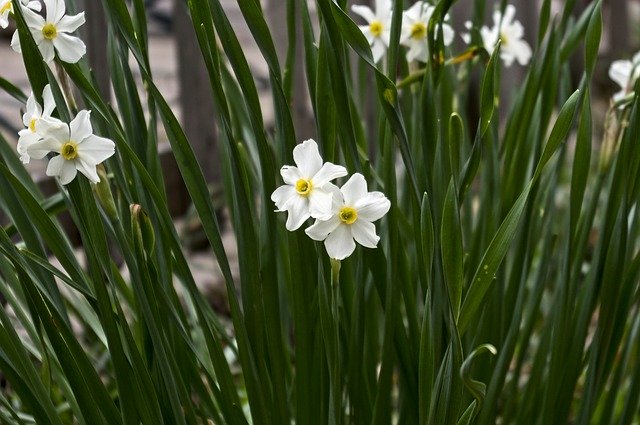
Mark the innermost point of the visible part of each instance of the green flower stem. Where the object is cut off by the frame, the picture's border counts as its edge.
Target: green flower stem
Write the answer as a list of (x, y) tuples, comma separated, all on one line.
[(335, 372)]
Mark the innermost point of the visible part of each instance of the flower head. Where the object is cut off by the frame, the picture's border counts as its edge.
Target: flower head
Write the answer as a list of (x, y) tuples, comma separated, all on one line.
[(30, 119), (303, 195), (354, 210), (6, 7), (52, 32), (378, 28), (509, 32), (625, 73), (415, 22), (78, 148)]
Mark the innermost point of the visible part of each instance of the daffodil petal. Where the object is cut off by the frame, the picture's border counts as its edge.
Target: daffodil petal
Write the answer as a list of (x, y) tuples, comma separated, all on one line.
[(48, 101), (340, 243), (282, 195), (354, 189), (42, 148), (27, 138), (34, 5), (54, 168), (52, 128), (80, 126), (15, 42), (68, 172), (322, 228), (290, 174), (33, 109), (364, 11), (34, 21), (364, 232), (373, 206), (378, 50), (307, 158), (55, 10), (320, 204), (448, 34), (47, 50), (327, 173), (70, 23), (298, 212), (522, 52), (96, 149), (88, 169), (620, 72), (70, 49)]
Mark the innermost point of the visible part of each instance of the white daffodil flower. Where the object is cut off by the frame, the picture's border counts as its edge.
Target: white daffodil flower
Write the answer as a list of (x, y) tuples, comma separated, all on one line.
[(510, 33), (78, 148), (52, 33), (625, 73), (378, 28), (303, 195), (6, 7), (353, 213), (30, 119), (415, 22)]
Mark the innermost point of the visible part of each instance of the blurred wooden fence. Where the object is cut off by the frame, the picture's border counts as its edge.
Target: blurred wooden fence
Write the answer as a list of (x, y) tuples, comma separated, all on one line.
[(198, 113)]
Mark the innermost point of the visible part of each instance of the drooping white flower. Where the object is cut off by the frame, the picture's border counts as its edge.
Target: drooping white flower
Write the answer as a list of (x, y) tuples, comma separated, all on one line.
[(52, 33), (625, 73), (510, 33), (303, 195), (353, 213), (30, 119), (415, 22), (6, 7), (378, 28), (78, 148)]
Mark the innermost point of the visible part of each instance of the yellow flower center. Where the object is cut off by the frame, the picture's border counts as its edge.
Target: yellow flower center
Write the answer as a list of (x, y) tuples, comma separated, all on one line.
[(304, 187), (504, 39), (49, 31), (69, 150), (32, 125), (418, 31), (6, 7), (376, 28), (348, 215)]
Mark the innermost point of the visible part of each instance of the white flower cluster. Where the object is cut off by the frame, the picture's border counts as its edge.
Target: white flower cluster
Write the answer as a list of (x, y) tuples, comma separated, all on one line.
[(415, 21), (510, 33), (343, 215), (51, 32), (625, 73), (77, 147)]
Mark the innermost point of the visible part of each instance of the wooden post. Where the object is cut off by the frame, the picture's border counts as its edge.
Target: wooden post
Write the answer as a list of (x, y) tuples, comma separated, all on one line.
[(95, 36), (303, 119), (198, 116), (618, 27)]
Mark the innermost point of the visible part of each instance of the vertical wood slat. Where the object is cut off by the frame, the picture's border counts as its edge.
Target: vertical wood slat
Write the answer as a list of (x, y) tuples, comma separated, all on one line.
[(196, 101), (95, 36)]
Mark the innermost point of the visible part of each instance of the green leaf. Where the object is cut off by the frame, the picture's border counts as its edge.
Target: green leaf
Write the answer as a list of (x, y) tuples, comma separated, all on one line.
[(452, 250)]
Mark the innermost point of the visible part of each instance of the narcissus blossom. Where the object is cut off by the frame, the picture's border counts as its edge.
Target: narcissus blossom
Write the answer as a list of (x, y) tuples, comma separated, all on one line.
[(378, 28), (78, 148), (510, 33), (30, 119), (52, 33), (625, 73), (415, 21), (354, 210), (6, 7), (303, 195)]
